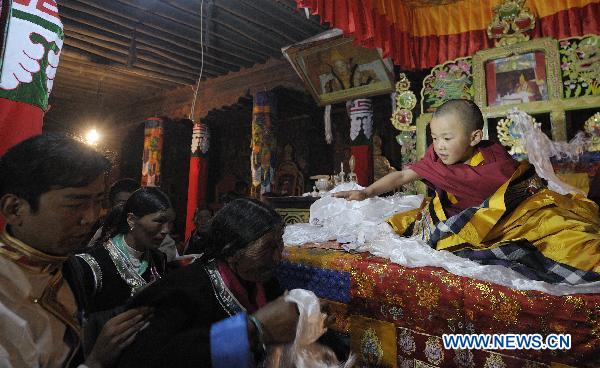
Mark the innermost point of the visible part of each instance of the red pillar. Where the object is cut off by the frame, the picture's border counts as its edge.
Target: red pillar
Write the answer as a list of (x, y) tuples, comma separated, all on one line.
[(197, 183), (363, 156)]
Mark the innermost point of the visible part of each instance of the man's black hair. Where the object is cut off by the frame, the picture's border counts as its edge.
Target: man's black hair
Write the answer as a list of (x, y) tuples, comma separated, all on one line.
[(126, 185), (467, 111), (46, 162)]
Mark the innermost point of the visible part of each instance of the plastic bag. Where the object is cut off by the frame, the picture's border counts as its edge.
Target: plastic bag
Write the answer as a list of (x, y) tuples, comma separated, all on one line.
[(305, 352)]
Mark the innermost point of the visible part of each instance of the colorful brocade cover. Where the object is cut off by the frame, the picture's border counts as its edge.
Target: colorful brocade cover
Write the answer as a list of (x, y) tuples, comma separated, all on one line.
[(262, 162), (395, 316), (153, 144), (32, 39)]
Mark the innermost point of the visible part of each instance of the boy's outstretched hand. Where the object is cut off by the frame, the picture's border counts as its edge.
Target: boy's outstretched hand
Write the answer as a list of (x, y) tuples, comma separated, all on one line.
[(352, 195)]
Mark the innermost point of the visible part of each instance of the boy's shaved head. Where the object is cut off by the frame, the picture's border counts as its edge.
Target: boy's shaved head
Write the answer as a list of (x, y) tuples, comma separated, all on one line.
[(467, 112)]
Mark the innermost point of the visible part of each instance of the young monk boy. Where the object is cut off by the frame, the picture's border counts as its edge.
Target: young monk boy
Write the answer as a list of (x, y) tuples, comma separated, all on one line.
[(486, 200)]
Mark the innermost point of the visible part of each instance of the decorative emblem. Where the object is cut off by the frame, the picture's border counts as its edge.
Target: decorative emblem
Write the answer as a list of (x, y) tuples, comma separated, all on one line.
[(510, 23), (509, 137), (428, 295), (371, 350), (406, 342), (405, 363), (451, 80), (464, 359), (32, 48), (396, 313), (531, 364), (405, 101), (494, 361), (361, 116), (294, 215), (592, 127), (580, 66), (434, 350), (195, 137), (204, 139)]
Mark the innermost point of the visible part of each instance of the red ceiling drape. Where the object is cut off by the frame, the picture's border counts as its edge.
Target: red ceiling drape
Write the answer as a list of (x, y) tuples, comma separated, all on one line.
[(423, 36)]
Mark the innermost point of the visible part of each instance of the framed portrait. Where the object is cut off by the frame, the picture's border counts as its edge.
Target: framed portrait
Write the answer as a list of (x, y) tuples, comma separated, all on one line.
[(335, 70), (523, 73), (516, 79)]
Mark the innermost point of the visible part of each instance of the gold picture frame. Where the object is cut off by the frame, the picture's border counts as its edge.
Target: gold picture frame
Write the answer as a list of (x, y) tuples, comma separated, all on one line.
[(526, 73), (335, 70)]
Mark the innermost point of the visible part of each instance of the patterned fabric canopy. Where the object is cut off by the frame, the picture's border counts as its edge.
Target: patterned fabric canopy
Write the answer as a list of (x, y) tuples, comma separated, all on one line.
[(419, 34)]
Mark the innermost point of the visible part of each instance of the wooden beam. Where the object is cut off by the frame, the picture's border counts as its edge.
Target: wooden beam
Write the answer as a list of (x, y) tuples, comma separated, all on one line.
[(81, 67), (99, 84), (260, 20), (169, 64), (120, 56), (259, 38), (70, 52), (72, 27), (92, 97), (150, 27), (155, 39)]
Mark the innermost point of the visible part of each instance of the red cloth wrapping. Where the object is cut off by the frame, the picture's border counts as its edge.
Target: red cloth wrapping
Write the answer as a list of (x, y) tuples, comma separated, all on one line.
[(18, 121), (471, 185), (364, 164), (192, 198)]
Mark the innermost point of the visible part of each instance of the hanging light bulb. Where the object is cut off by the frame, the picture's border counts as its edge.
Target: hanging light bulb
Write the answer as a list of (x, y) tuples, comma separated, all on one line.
[(92, 137)]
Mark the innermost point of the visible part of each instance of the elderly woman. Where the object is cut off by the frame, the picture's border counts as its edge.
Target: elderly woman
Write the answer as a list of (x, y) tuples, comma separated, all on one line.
[(234, 276), (126, 256)]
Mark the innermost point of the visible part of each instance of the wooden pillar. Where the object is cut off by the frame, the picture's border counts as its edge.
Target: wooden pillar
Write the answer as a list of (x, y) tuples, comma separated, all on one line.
[(262, 162), (153, 144)]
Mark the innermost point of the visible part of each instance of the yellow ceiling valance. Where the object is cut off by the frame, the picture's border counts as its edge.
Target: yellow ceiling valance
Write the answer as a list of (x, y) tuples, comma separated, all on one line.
[(459, 16)]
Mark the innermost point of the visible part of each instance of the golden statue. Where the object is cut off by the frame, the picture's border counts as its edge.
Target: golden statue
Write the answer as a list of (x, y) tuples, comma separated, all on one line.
[(381, 165)]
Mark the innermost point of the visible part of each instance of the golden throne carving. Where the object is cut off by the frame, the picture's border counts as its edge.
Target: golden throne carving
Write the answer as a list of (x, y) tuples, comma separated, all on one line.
[(289, 181)]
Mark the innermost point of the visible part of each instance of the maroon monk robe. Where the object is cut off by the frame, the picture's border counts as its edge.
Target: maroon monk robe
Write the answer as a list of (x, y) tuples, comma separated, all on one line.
[(471, 185)]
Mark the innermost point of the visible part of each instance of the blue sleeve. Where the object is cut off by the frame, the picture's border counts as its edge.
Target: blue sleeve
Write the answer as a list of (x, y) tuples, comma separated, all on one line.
[(229, 346)]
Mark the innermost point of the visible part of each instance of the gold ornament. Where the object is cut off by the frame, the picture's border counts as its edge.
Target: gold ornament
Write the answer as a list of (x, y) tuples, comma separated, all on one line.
[(509, 138), (592, 127), (510, 22), (405, 101)]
